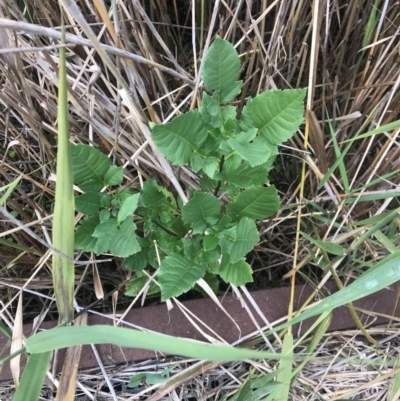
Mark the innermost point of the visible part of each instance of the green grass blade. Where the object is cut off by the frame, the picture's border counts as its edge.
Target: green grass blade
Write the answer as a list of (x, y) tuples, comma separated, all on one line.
[(285, 366), (9, 188), (376, 181), (382, 275), (395, 390), (33, 377), (12, 244), (388, 127), (5, 330), (330, 247), (372, 220), (256, 386), (339, 159), (386, 242), (63, 224), (373, 197), (62, 337), (322, 328), (387, 219), (342, 167), (371, 24)]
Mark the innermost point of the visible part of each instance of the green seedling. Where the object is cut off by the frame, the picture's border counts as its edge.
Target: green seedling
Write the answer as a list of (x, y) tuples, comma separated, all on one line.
[(212, 233)]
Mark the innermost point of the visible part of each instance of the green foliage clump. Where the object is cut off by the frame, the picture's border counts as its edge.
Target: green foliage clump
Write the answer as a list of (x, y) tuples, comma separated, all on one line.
[(207, 237)]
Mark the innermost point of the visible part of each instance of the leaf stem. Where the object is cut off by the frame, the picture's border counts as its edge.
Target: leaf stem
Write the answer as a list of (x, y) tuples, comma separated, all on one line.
[(11, 356), (159, 225), (221, 165)]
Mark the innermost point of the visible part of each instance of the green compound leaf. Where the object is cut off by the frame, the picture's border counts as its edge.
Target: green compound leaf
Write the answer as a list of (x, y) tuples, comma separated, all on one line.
[(210, 242), (114, 175), (210, 110), (229, 117), (232, 162), (178, 139), (212, 256), (89, 165), (277, 114), (211, 144), (191, 248), (136, 262), (246, 238), (246, 176), (238, 273), (152, 196), (246, 137), (199, 227), (129, 205), (94, 185), (124, 243), (196, 162), (239, 240), (255, 153), (84, 234), (104, 215), (140, 260), (227, 239), (221, 70), (210, 166), (213, 281), (91, 202), (105, 232), (256, 203), (200, 207), (135, 285), (122, 195), (178, 275)]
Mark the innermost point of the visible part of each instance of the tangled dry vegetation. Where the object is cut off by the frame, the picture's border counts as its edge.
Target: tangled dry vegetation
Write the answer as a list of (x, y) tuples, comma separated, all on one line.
[(346, 53)]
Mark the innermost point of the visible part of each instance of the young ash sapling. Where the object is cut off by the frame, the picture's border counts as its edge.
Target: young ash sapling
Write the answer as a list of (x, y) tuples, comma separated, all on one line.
[(211, 234)]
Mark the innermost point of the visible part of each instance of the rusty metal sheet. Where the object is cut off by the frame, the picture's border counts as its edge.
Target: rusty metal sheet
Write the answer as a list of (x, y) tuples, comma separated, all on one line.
[(272, 302)]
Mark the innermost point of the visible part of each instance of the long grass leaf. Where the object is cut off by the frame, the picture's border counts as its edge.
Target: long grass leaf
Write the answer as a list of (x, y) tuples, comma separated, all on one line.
[(339, 159), (386, 242), (322, 328), (384, 128), (387, 219), (371, 24), (9, 188), (342, 167), (376, 181), (285, 366), (62, 337), (33, 377), (380, 276), (374, 197), (395, 390), (63, 224)]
